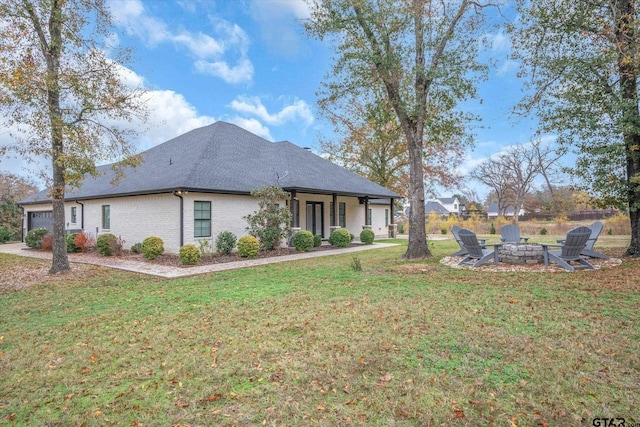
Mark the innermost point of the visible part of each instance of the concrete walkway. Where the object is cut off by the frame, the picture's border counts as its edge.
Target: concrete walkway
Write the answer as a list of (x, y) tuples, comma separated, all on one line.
[(169, 272)]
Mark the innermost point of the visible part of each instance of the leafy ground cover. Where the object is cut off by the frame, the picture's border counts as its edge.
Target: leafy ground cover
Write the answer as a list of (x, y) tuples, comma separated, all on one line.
[(314, 342)]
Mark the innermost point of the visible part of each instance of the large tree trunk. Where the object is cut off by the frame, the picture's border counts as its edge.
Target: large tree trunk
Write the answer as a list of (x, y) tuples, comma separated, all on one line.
[(626, 37), (417, 248), (60, 262)]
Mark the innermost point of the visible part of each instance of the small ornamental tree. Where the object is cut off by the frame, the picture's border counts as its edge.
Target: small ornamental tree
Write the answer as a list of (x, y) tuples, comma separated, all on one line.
[(270, 223)]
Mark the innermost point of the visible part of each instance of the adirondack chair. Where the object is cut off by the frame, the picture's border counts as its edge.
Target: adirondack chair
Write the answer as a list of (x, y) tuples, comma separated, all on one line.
[(462, 251), (596, 229), (511, 234), (570, 250), (475, 250)]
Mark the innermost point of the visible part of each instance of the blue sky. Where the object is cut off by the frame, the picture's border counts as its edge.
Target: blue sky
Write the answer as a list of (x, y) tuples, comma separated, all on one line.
[(249, 62)]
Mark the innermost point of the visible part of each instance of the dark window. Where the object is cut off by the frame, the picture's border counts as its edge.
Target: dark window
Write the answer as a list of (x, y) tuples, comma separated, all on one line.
[(369, 220), (342, 214), (202, 219), (106, 217), (73, 214)]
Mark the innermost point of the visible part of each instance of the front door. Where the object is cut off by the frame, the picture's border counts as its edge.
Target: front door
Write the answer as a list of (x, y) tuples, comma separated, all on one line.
[(315, 220)]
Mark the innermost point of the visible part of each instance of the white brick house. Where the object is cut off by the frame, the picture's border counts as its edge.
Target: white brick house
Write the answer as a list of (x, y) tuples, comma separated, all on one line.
[(197, 185)]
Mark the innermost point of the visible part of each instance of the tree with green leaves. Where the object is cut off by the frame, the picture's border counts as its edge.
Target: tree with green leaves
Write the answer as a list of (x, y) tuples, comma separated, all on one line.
[(12, 189), (421, 55), (582, 61), (271, 222), (64, 94)]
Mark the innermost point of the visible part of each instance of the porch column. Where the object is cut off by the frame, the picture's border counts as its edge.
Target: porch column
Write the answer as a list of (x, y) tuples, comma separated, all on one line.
[(367, 220), (392, 213), (292, 208), (335, 221)]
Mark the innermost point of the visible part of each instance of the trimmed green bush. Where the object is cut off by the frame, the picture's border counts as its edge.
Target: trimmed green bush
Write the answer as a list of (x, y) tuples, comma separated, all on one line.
[(33, 239), (443, 230), (492, 230), (152, 247), (226, 242), (340, 238), (5, 234), (137, 248), (107, 244), (543, 231), (71, 243), (248, 247), (366, 236), (317, 241), (303, 241), (189, 255)]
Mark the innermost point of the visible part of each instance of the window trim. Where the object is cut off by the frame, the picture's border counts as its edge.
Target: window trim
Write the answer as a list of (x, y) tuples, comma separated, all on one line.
[(199, 222), (106, 217)]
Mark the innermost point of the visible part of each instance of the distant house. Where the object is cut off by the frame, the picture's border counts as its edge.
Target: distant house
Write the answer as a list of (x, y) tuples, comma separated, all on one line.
[(494, 212), (451, 204), (437, 208), (197, 185)]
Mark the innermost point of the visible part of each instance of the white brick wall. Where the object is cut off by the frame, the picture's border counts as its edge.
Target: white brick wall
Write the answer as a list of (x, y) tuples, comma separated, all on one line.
[(135, 218)]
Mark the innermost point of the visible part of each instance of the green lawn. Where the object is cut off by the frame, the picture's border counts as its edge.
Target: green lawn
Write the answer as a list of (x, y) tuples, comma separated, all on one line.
[(315, 343)]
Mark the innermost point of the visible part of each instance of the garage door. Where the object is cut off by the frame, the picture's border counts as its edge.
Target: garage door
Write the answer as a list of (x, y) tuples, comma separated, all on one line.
[(42, 219)]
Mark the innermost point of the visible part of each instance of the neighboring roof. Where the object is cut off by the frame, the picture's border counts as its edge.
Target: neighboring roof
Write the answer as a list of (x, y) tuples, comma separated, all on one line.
[(447, 200), (224, 158), (493, 208), (435, 207)]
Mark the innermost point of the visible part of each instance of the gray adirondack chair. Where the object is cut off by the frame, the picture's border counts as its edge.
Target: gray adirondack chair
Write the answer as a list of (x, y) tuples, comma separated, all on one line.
[(511, 234), (570, 250), (462, 251), (596, 229), (477, 254)]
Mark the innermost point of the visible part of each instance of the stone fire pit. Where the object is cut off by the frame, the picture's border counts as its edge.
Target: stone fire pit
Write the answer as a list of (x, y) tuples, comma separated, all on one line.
[(521, 253)]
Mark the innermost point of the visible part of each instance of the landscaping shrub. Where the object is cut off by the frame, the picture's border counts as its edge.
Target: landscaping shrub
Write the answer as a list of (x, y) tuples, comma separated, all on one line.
[(317, 241), (108, 244), (226, 242), (206, 248), (367, 236), (543, 231), (303, 241), (33, 239), (137, 248), (189, 255), (71, 243), (340, 238), (443, 230), (46, 244), (5, 234), (248, 247), (492, 230), (152, 247), (83, 242)]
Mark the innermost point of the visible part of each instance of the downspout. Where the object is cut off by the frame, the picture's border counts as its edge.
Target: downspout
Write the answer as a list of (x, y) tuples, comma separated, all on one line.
[(22, 224), (81, 214), (178, 193)]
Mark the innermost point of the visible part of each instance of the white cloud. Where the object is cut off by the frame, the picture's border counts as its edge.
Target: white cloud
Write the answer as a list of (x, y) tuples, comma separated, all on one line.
[(298, 110), (500, 42), (253, 126), (279, 23), (209, 51)]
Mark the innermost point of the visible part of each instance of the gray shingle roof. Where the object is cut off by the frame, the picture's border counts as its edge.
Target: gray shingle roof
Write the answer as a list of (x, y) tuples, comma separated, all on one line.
[(224, 158), (435, 207)]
